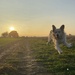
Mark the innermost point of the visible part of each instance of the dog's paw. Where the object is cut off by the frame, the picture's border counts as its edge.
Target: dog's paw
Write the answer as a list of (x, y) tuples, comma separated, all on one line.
[(60, 52), (69, 45)]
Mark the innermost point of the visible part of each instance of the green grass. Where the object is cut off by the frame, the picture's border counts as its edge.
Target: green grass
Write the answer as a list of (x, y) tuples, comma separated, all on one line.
[(51, 61), (5, 41), (46, 56), (7, 62)]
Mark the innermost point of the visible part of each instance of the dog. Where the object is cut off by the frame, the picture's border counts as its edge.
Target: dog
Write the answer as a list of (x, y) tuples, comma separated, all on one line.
[(58, 36)]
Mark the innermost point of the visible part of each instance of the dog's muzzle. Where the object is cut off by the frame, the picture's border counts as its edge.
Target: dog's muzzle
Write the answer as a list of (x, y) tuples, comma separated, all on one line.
[(58, 36)]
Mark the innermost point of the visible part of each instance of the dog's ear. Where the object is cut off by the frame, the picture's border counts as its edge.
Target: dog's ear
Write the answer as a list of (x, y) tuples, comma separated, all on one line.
[(62, 27), (54, 28)]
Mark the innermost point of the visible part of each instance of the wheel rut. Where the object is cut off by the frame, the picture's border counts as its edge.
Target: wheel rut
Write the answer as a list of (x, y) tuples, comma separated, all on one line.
[(20, 56)]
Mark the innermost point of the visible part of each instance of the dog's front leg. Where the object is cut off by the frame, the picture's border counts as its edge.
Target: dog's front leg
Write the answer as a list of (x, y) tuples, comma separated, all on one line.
[(67, 44), (57, 47)]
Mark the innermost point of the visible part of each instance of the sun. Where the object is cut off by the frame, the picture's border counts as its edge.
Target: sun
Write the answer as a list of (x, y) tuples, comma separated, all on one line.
[(12, 28)]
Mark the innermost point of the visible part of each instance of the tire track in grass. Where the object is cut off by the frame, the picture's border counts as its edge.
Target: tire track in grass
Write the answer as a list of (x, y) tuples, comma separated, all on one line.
[(8, 51), (20, 56), (32, 68), (5, 67)]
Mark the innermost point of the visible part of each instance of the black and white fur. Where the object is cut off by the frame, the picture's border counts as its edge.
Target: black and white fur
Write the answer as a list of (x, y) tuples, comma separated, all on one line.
[(58, 36)]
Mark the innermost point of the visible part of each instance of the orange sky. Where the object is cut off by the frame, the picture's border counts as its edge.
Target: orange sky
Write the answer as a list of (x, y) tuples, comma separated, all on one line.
[(36, 17)]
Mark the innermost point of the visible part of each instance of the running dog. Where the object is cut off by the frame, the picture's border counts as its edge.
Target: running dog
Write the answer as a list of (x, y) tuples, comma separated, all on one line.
[(58, 36)]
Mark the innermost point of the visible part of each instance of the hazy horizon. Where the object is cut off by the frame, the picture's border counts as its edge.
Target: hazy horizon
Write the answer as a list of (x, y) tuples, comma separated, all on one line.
[(36, 17)]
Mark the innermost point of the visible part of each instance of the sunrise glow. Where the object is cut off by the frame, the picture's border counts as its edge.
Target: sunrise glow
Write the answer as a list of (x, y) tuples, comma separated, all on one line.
[(12, 28), (36, 17)]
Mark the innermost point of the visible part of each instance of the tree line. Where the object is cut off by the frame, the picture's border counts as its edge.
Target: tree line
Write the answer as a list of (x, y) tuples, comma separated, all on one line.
[(11, 34)]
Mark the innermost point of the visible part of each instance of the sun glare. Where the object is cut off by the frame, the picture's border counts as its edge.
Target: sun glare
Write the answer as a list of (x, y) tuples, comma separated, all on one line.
[(12, 28)]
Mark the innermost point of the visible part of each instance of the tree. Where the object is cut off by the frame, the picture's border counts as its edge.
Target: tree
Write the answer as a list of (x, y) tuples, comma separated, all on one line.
[(13, 34), (5, 34)]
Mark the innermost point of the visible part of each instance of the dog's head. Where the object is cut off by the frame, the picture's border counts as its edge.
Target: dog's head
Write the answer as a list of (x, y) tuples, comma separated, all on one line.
[(58, 33)]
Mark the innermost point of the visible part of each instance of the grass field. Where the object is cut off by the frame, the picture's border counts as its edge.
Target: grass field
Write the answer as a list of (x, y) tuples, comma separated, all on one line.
[(31, 56)]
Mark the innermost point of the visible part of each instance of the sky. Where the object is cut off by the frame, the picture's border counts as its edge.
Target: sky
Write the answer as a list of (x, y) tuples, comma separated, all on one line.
[(36, 17)]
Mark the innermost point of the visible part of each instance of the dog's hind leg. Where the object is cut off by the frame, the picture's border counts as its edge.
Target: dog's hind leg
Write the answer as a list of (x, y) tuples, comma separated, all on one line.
[(49, 39)]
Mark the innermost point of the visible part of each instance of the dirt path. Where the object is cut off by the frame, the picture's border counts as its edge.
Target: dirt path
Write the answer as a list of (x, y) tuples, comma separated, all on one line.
[(7, 51), (32, 68), (21, 57)]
